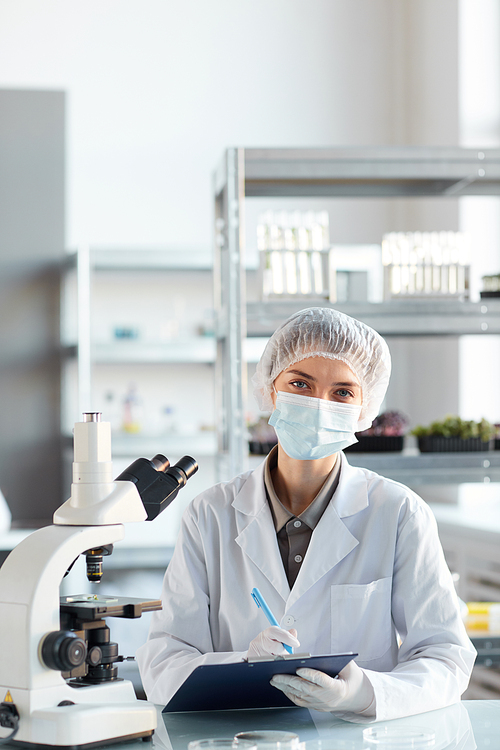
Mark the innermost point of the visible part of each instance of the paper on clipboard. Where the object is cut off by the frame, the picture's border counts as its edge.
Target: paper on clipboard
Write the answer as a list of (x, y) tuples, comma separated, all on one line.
[(218, 687)]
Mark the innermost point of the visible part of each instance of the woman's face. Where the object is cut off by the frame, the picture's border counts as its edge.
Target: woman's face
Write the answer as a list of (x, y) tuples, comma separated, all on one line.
[(318, 377)]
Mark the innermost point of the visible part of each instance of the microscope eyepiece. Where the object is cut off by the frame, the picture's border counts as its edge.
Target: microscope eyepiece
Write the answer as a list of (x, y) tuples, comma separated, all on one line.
[(157, 482), (92, 416), (160, 462), (187, 465), (182, 471)]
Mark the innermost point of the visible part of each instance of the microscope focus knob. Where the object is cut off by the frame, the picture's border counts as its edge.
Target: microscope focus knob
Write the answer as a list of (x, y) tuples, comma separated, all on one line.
[(63, 650)]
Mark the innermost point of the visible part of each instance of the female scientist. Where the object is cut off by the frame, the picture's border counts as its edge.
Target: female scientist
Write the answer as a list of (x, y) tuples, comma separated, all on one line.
[(346, 559)]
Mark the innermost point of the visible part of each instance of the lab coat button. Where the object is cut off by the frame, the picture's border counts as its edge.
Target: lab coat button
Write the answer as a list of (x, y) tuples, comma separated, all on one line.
[(297, 524), (288, 621), (298, 558)]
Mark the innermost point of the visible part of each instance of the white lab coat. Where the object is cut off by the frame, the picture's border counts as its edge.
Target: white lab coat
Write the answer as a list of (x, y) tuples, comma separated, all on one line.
[(374, 570)]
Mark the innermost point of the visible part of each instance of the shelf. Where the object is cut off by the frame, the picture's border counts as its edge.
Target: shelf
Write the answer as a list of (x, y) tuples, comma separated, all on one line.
[(135, 259), (367, 172), (191, 350), (425, 468), (432, 468), (202, 351), (394, 318)]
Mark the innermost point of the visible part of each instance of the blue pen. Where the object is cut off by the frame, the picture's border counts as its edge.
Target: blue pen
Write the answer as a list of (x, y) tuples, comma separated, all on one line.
[(260, 602)]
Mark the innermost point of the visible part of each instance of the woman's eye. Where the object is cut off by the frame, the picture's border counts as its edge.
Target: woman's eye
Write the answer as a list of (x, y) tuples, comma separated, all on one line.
[(343, 393), (299, 384)]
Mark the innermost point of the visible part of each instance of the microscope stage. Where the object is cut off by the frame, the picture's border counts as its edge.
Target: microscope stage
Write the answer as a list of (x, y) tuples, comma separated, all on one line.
[(95, 607)]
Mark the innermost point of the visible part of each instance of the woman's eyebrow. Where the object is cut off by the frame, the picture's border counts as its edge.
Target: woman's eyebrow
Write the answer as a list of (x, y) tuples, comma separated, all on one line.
[(349, 383), (302, 374)]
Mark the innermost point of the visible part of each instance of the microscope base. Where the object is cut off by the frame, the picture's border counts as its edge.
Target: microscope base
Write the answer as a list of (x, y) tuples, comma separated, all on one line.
[(89, 746), (96, 715)]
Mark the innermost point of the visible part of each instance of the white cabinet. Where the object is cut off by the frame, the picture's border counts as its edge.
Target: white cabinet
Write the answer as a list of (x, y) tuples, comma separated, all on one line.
[(470, 535)]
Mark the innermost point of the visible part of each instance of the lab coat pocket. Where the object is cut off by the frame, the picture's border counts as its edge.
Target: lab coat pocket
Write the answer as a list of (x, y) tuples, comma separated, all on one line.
[(361, 618)]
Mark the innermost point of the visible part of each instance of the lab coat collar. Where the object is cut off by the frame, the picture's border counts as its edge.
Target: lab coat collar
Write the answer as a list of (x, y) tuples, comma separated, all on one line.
[(252, 495), (352, 491), (256, 533)]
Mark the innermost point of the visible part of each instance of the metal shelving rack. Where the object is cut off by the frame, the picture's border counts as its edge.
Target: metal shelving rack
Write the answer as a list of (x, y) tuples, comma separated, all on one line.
[(378, 172)]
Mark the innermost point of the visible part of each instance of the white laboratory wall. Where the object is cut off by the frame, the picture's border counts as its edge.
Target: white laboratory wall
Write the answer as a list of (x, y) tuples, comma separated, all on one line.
[(479, 81), (479, 109), (157, 90)]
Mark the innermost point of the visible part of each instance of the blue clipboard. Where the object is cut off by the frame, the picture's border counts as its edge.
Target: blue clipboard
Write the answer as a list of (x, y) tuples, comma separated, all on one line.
[(218, 687)]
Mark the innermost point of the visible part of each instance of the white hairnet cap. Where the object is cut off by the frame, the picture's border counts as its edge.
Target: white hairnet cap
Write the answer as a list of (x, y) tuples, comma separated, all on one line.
[(324, 332)]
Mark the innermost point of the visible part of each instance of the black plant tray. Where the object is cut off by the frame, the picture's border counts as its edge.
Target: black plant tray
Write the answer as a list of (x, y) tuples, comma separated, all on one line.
[(377, 444), (438, 444)]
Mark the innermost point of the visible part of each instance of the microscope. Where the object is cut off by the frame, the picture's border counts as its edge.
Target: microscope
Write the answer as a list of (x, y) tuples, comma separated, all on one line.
[(59, 683)]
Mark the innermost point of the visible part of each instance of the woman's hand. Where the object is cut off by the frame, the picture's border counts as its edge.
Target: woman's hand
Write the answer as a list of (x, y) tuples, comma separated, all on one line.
[(309, 688), (270, 642)]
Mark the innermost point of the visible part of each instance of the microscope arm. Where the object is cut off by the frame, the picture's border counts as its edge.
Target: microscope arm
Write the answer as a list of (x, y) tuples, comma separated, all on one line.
[(29, 597)]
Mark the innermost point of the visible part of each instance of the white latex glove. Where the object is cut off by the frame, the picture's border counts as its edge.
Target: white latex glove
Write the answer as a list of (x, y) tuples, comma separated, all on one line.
[(270, 642), (309, 688)]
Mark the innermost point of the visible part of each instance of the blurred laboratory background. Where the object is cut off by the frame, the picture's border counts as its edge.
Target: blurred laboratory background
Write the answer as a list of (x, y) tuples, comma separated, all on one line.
[(177, 178)]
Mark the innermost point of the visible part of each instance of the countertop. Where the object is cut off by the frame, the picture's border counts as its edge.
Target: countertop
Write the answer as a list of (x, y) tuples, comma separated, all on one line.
[(475, 514), (466, 725)]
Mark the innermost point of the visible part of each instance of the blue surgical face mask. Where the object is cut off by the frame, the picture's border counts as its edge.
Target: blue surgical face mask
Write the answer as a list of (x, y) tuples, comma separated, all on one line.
[(310, 428)]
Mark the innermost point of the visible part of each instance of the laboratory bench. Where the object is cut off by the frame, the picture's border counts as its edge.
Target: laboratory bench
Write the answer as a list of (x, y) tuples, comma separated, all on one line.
[(470, 532), (467, 725)]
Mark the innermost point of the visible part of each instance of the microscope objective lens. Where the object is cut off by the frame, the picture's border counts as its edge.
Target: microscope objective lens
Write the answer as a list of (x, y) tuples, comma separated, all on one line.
[(94, 569)]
